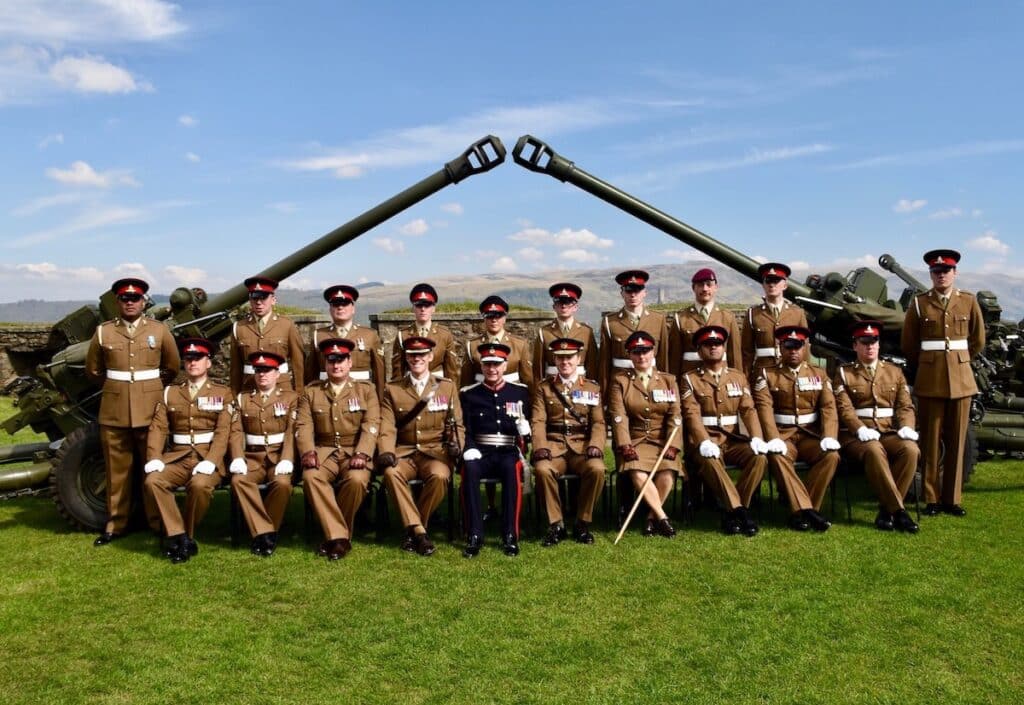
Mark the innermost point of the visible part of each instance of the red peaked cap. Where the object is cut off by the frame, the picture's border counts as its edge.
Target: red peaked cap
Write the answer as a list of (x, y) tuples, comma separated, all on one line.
[(866, 329), (197, 346), (494, 306), (415, 345), (633, 278), (941, 259), (264, 284), (565, 346), (336, 346), (493, 352), (710, 334), (129, 285), (565, 290), (262, 358), (341, 291), (423, 293), (774, 269), (640, 341), (788, 336)]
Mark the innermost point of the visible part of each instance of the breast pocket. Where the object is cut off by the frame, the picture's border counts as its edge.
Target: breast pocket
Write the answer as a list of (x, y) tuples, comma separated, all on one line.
[(960, 326), (932, 327)]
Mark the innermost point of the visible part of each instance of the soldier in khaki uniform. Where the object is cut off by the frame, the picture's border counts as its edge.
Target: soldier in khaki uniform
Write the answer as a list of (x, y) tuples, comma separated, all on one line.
[(265, 330), (716, 398), (133, 356), (263, 447), (186, 446), (759, 347), (877, 418), (643, 407), (367, 356), (565, 297), (798, 414), (421, 433), (494, 310), (683, 354), (943, 331), (337, 429), (446, 360), (617, 327), (568, 436)]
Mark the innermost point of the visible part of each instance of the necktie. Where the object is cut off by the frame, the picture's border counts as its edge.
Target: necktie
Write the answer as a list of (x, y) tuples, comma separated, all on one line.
[(705, 314), (717, 376), (261, 325), (566, 329), (192, 391), (645, 379), (423, 332), (130, 329), (776, 310), (264, 396), (944, 300)]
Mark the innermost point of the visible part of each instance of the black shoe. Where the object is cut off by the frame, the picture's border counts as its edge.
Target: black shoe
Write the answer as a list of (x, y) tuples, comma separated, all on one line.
[(731, 523), (649, 528), (884, 521), (338, 549), (932, 509), (817, 521), (954, 510), (270, 543), (324, 548), (105, 538), (191, 546), (262, 545), (556, 533), (490, 514), (423, 545), (748, 527), (172, 545), (473, 546), (798, 522), (409, 542), (664, 528), (581, 533), (511, 545), (904, 523)]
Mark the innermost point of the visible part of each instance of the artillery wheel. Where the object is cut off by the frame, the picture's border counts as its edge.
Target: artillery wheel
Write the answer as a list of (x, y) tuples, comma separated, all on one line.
[(79, 479)]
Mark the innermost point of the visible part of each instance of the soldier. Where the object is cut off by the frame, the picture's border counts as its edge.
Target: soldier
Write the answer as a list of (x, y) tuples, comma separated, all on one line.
[(494, 310), (644, 408), (337, 431), (943, 331), (568, 436), (565, 298), (195, 416), (265, 330), (716, 398), (368, 355), (682, 352), (497, 418), (631, 318), (421, 437), (877, 417), (798, 414), (263, 447), (446, 361), (130, 355), (759, 325)]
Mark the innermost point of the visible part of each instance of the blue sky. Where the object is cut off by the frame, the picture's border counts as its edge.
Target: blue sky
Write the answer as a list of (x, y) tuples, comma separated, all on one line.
[(197, 143)]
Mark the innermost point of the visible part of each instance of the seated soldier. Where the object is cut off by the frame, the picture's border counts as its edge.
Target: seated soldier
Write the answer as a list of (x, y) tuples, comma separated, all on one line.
[(568, 436), (715, 399), (263, 447), (877, 417), (797, 410), (196, 417)]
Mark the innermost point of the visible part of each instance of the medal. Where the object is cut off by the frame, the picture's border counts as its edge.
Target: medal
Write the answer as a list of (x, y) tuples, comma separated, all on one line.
[(151, 341), (353, 404)]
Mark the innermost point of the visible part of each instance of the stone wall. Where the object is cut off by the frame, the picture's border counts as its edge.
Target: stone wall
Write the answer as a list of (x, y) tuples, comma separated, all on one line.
[(22, 337)]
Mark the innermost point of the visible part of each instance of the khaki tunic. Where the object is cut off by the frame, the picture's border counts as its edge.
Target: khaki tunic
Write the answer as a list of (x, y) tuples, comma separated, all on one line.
[(644, 419), (944, 374), (758, 333), (682, 353), (615, 329), (544, 360), (280, 336), (446, 357), (367, 357), (519, 360)]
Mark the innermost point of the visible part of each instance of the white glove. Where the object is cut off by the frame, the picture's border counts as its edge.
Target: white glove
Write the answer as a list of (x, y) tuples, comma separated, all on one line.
[(865, 434), (523, 426), (907, 434), (204, 467), (828, 443), (238, 467), (776, 445), (758, 446), (471, 454), (284, 467), (710, 449), (155, 465)]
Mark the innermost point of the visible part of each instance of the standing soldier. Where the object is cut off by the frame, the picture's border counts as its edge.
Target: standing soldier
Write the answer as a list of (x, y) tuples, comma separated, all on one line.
[(943, 331), (565, 299), (568, 436), (195, 416), (265, 330), (420, 438), (798, 414), (367, 355), (716, 398), (263, 448), (130, 355), (682, 350), (759, 325), (494, 310), (877, 417), (337, 430), (496, 414), (446, 361), (633, 317)]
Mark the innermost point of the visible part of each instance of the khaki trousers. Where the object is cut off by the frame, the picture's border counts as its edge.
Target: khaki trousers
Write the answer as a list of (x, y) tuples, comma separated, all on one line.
[(805, 448), (889, 464), (712, 470), (262, 514), (591, 472), (336, 492), (943, 421), (123, 450), (159, 496), (435, 476)]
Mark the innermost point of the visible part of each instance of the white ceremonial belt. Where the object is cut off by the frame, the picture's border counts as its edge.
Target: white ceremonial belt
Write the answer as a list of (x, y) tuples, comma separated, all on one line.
[(719, 420), (132, 375), (248, 369), (944, 344), (438, 373), (765, 352), (622, 362), (510, 377), (691, 356), (875, 412), (494, 439), (580, 369), (269, 439), (191, 439), (796, 420), (360, 374)]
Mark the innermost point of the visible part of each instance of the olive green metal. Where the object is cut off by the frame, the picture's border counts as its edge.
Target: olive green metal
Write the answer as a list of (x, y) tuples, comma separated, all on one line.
[(889, 263), (20, 478)]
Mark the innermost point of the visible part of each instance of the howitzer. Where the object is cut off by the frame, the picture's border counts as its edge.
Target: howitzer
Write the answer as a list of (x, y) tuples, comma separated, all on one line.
[(831, 301), (55, 397)]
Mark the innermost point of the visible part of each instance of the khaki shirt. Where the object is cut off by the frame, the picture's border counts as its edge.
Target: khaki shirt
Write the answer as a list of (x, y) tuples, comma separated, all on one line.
[(544, 360), (944, 374), (728, 397), (684, 323), (367, 357), (548, 408), (345, 424), (615, 329), (640, 417), (519, 360), (446, 357), (759, 333), (777, 390), (177, 414), (425, 433), (280, 336), (256, 416), (126, 404), (855, 388)]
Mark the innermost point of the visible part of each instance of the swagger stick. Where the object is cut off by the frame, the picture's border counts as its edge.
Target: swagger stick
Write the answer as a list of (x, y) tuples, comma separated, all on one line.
[(650, 476)]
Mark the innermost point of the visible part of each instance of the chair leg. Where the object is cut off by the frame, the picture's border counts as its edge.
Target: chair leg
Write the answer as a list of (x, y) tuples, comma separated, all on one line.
[(381, 519)]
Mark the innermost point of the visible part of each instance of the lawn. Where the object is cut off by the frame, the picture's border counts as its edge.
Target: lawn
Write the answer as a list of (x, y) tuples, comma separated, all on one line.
[(851, 616)]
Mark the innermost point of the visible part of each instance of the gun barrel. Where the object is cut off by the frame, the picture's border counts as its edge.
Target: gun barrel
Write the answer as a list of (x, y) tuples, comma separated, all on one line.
[(889, 264)]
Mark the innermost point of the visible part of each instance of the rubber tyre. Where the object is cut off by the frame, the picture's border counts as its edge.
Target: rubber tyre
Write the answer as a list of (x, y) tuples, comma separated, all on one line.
[(79, 479)]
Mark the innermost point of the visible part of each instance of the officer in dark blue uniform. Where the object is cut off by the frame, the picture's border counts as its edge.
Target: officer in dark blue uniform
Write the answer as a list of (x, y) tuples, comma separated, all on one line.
[(496, 415)]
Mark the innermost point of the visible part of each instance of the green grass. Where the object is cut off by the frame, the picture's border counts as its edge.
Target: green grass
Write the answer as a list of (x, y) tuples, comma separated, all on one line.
[(851, 616)]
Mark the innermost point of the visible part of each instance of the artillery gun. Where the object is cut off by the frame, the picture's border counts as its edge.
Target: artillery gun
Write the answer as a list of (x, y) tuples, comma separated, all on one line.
[(55, 397), (833, 301)]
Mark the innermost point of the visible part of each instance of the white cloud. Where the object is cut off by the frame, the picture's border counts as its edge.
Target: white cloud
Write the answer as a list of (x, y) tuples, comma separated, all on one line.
[(134, 269), (82, 174), (45, 202), (453, 208), (845, 264), (192, 157), (566, 238), (414, 228), (937, 154), (91, 220), (56, 138), (93, 74), (754, 157), (531, 254), (579, 255), (906, 205), (504, 264), (390, 245), (91, 21), (946, 214), (988, 242), (800, 265), (47, 271), (188, 121), (186, 276), (685, 255)]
